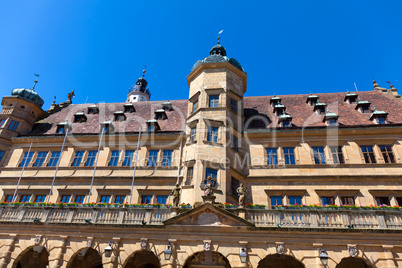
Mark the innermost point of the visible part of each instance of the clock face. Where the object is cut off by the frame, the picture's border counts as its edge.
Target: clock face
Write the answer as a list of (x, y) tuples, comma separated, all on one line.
[(207, 246)]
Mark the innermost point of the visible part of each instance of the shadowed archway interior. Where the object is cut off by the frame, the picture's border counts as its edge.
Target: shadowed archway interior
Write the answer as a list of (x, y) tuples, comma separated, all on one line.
[(280, 261), (86, 258), (143, 259), (352, 263), (35, 257), (207, 258)]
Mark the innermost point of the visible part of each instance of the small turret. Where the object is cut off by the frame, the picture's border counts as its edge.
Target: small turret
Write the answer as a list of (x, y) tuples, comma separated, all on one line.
[(139, 91)]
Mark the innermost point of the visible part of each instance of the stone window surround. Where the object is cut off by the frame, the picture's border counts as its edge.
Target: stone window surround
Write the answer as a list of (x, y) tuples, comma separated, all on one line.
[(392, 195), (193, 99), (73, 193), (213, 165), (338, 194), (280, 153), (285, 193), (214, 91), (154, 193), (213, 123), (33, 193), (327, 151), (112, 193), (191, 125)]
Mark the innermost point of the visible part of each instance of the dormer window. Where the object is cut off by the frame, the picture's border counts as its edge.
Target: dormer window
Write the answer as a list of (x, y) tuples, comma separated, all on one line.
[(379, 117), (160, 114), (285, 120), (312, 100), (275, 101), (363, 106), (167, 106), (80, 117), (279, 109), (319, 108), (93, 109), (330, 119), (351, 98), (62, 128), (106, 127), (152, 125), (119, 116), (129, 108)]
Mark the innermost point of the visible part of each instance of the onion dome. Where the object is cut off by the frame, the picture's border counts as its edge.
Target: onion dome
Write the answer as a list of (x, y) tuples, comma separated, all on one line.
[(218, 54), (29, 95)]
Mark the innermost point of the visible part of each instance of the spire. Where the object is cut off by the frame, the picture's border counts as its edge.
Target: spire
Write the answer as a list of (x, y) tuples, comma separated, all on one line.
[(35, 82)]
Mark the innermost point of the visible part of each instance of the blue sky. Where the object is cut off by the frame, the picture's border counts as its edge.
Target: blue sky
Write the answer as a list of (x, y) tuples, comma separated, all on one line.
[(98, 48)]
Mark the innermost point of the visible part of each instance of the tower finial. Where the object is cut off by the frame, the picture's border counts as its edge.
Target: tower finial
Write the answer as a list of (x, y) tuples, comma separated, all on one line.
[(144, 71), (35, 82), (219, 38)]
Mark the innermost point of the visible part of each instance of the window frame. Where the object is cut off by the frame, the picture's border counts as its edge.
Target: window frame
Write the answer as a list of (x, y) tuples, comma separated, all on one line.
[(128, 158), (213, 100), (167, 158), (319, 155), (387, 155), (368, 154), (114, 159), (288, 157), (213, 134), (40, 159), (52, 162), (13, 125), (337, 154), (193, 134), (77, 158), (90, 159), (152, 159), (26, 159), (272, 157)]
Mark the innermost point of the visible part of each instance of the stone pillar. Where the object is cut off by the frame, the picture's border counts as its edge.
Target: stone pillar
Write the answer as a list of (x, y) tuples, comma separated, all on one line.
[(116, 253), (388, 257), (58, 261), (6, 252), (173, 260)]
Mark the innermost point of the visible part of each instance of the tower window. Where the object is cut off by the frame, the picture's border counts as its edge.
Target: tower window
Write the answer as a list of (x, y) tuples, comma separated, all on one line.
[(1, 155), (233, 105), (193, 135), (213, 134), (2, 121), (213, 173), (13, 125), (213, 101), (190, 174)]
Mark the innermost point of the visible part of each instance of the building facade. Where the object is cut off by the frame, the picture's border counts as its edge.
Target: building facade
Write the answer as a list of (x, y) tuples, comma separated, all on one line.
[(310, 180)]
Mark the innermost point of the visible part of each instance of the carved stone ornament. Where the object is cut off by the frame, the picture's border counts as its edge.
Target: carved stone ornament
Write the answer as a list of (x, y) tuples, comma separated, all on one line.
[(143, 244), (89, 242), (207, 246), (280, 249), (352, 251), (38, 239)]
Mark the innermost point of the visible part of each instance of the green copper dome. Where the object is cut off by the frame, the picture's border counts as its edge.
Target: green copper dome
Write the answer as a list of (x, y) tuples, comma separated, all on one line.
[(29, 95)]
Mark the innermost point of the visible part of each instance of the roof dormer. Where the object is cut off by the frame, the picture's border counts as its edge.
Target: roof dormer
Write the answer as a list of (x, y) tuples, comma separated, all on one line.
[(107, 127), (93, 109), (351, 98), (128, 108), (63, 128), (279, 109), (330, 119), (379, 117), (320, 108), (80, 117), (285, 120), (167, 105), (275, 101), (119, 116), (312, 100), (363, 106), (160, 114), (152, 125)]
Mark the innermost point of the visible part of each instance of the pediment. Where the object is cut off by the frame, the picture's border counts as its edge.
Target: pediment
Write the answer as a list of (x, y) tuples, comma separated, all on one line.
[(208, 215)]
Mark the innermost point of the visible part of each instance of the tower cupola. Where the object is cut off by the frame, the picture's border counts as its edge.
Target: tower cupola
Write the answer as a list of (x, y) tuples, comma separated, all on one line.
[(139, 91)]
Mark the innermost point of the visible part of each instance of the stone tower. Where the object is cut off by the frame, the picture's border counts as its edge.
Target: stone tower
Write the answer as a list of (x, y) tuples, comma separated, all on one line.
[(214, 126), (139, 91)]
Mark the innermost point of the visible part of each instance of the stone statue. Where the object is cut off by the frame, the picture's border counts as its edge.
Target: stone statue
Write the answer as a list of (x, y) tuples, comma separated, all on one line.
[(208, 191), (242, 195), (70, 96), (176, 195)]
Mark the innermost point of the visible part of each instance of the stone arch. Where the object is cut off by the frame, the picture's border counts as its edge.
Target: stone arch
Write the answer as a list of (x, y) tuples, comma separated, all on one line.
[(353, 262), (142, 259), (280, 261), (32, 257), (207, 258), (85, 258)]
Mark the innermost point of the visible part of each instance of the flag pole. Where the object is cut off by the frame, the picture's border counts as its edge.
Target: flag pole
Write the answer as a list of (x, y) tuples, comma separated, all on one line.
[(22, 171), (135, 164), (57, 166), (96, 163)]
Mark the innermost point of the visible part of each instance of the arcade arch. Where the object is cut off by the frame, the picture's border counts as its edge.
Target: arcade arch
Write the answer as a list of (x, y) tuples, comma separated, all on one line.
[(143, 259), (86, 258), (32, 257), (207, 258), (353, 262), (280, 261)]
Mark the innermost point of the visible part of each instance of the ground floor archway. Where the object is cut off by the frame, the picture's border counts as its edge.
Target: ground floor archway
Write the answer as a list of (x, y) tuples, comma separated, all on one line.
[(33, 257), (352, 262), (143, 259), (86, 258), (207, 258), (280, 261)]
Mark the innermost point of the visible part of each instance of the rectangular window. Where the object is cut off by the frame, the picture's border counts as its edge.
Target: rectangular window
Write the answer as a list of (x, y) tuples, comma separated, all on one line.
[(114, 158), (65, 198), (295, 200), (161, 199), (195, 106), (105, 199), (368, 154), (190, 172), (151, 127), (337, 155), (213, 173), (79, 199), (272, 156), (146, 199), (289, 154), (319, 156), (60, 130), (347, 200), (1, 155), (286, 123), (26, 159), (120, 199), (77, 158), (13, 125), (213, 101), (25, 198), (233, 105), (128, 158), (54, 159), (2, 121), (40, 158), (40, 198), (212, 134), (152, 158), (233, 187), (381, 121), (387, 153), (326, 200), (382, 200), (9, 198), (235, 143), (365, 109), (91, 158), (167, 158), (193, 135), (276, 201)]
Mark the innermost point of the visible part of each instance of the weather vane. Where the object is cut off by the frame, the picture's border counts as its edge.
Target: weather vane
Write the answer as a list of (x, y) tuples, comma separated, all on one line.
[(144, 71), (219, 36), (36, 81)]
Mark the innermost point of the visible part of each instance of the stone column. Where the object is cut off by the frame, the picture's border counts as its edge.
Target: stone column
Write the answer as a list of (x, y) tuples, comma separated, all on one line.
[(116, 253), (58, 261), (389, 261), (6, 252)]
